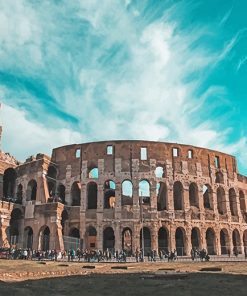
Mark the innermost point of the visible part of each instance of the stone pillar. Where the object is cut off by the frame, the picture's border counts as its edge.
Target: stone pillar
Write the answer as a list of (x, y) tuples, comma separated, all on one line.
[(172, 237), (67, 185), (100, 237), (154, 238), (217, 241), (188, 243), (118, 237)]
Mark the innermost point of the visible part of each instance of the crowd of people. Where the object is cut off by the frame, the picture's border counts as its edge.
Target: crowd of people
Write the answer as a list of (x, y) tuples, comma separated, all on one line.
[(88, 255)]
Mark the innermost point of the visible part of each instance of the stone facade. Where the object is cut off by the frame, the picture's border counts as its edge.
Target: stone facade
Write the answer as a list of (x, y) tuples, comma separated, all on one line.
[(123, 194)]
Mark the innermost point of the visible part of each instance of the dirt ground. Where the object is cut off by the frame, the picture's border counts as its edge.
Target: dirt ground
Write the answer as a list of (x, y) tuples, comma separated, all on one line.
[(63, 278)]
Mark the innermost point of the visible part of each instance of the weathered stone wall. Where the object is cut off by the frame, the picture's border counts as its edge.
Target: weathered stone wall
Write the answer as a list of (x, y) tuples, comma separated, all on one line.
[(74, 162)]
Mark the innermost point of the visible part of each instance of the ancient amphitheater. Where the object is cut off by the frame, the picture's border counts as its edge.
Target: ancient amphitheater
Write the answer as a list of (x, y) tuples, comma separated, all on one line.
[(100, 195)]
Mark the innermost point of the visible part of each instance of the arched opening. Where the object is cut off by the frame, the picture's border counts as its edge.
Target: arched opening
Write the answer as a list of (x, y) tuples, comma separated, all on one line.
[(14, 230), (31, 190), (108, 239), (195, 238), (74, 232), (219, 178), (210, 239), (221, 201), (127, 241), (91, 235), (93, 173), (207, 196), (127, 193), (245, 242), (51, 177), (92, 194), (193, 195), (180, 241), (144, 191), (178, 195), (146, 240), (76, 194), (28, 238), (159, 172), (161, 191), (109, 194), (61, 193), (19, 193), (163, 239), (45, 238), (236, 241), (64, 218), (224, 242), (9, 179), (242, 201), (233, 202)]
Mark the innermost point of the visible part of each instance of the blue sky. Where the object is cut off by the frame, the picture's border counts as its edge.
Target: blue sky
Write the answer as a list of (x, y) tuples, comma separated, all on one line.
[(75, 71)]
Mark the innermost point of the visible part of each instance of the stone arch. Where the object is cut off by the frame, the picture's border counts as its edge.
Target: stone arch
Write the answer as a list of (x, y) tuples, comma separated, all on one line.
[(76, 194), (210, 240), (161, 191), (91, 237), (64, 218), (233, 202), (236, 241), (127, 193), (224, 242), (109, 194), (193, 195), (92, 195), (195, 238), (15, 225), (180, 241), (9, 180), (221, 201), (159, 172), (178, 195), (31, 190), (44, 238), (207, 196), (28, 238), (242, 201), (108, 239), (144, 191), (245, 242), (219, 178), (51, 177), (145, 231), (74, 232), (61, 193), (163, 242), (93, 173), (19, 193), (127, 240)]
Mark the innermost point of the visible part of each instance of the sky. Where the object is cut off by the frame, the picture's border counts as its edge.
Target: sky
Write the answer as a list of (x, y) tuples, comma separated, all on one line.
[(86, 70)]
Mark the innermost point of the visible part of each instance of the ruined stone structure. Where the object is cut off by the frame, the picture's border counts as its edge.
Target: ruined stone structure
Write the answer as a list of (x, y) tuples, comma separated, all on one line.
[(123, 194)]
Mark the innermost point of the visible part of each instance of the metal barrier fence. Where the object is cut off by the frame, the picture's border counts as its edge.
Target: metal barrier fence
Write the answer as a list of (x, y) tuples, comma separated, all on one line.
[(72, 243)]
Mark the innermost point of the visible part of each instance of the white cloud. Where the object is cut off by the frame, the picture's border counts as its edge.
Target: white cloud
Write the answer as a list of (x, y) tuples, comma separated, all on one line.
[(23, 138), (126, 78)]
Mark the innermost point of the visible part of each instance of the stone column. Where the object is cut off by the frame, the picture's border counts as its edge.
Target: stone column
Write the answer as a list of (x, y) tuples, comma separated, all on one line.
[(154, 238), (67, 185)]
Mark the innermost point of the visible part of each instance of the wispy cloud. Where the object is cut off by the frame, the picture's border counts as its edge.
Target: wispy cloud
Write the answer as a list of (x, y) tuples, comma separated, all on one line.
[(126, 66), (241, 63)]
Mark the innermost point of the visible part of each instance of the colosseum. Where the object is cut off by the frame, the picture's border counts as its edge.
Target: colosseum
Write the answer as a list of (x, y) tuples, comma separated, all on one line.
[(124, 195)]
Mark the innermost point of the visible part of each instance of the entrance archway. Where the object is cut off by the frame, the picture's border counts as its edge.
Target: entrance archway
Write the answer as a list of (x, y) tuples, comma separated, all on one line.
[(163, 239), (127, 240), (91, 237), (45, 238), (210, 239), (236, 241), (224, 242), (108, 239), (28, 238), (147, 240), (180, 243), (195, 238)]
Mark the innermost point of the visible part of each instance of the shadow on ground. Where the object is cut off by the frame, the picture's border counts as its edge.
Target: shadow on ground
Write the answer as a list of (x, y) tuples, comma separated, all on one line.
[(198, 284)]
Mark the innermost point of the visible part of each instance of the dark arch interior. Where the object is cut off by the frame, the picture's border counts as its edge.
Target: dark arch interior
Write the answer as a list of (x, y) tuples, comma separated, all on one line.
[(92, 193), (163, 240), (210, 239), (9, 179), (179, 236), (178, 196), (76, 194), (61, 193), (195, 238), (108, 239)]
